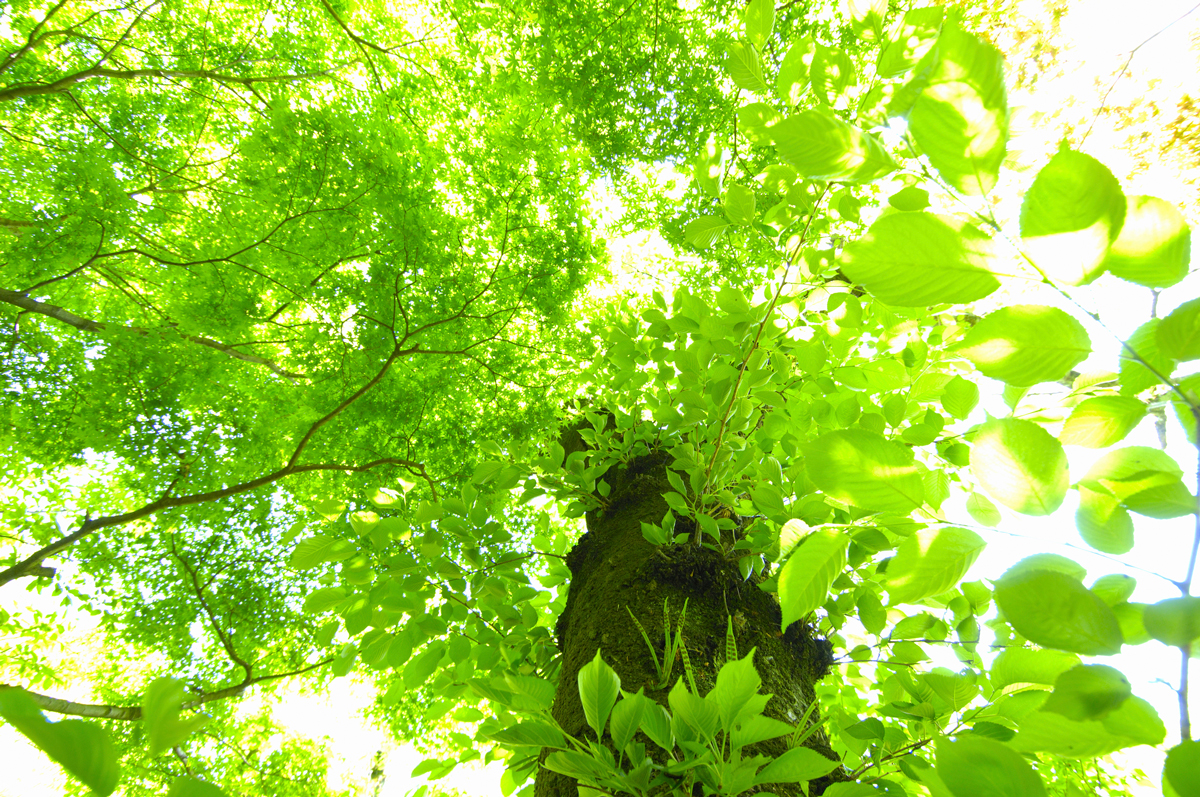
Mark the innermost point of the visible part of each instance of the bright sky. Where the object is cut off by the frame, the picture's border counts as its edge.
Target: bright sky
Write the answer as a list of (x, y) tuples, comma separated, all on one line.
[(1100, 34)]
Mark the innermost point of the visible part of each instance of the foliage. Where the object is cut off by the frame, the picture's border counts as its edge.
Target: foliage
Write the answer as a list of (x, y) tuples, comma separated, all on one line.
[(814, 415)]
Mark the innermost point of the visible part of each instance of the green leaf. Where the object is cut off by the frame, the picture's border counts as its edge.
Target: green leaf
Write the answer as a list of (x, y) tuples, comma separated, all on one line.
[(1020, 465), (798, 765), (1175, 621), (910, 199), (974, 766), (324, 599), (960, 120), (755, 122), (539, 690), (808, 573), (919, 259), (864, 469), (695, 712), (930, 562), (983, 511), (1071, 214), (319, 549), (1103, 523), (959, 397), (160, 713), (1026, 344), (1154, 247), (419, 670), (1114, 588), (82, 748), (1101, 422), (916, 35), (745, 67), (1028, 666), (1146, 480), (1088, 692), (1134, 722), (823, 147), (1182, 768), (1134, 375), (1056, 611), (627, 718), (758, 19), (1049, 561), (739, 204), (792, 80), (656, 724), (704, 231), (598, 690), (530, 733), (737, 683), (831, 73), (1179, 333), (193, 787), (709, 169)]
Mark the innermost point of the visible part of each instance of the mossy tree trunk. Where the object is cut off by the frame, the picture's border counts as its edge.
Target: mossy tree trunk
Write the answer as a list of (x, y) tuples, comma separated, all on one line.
[(615, 571)]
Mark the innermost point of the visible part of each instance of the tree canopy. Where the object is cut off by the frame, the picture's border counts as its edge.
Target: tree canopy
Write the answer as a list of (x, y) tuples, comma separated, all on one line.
[(306, 378)]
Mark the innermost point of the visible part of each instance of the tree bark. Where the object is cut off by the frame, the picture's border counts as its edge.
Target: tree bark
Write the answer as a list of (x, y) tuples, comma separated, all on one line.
[(615, 571)]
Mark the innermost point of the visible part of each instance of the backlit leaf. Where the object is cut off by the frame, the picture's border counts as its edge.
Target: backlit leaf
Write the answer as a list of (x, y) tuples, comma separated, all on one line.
[(1088, 692), (931, 561), (1071, 213), (974, 766), (1140, 351), (960, 119), (864, 469), (82, 748), (1154, 247), (1179, 333), (704, 231), (1175, 621), (1103, 523), (823, 147), (1100, 422), (1026, 344), (1056, 611), (1026, 665), (1182, 768), (918, 259), (810, 570), (1020, 465), (797, 765)]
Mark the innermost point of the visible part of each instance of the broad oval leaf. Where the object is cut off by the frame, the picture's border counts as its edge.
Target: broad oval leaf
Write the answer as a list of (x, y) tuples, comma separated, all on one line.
[(792, 80), (1103, 523), (418, 671), (822, 147), (1134, 722), (864, 469), (530, 733), (798, 765), (1179, 333), (1175, 621), (745, 67), (917, 34), (82, 748), (1140, 351), (1182, 768), (1029, 666), (319, 549), (918, 259), (1114, 588), (930, 562), (160, 714), (806, 576), (739, 204), (1020, 465), (1026, 344), (1088, 692), (193, 787), (704, 231), (1071, 214), (831, 73), (983, 511), (324, 599), (974, 766), (1056, 611), (599, 686), (960, 119), (758, 19), (1100, 422), (627, 718), (1154, 247)]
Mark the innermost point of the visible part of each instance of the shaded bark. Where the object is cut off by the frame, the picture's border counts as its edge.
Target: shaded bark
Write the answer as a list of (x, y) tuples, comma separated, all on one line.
[(615, 571)]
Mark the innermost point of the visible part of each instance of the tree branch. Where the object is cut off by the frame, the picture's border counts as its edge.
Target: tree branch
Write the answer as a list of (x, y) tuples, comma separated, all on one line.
[(70, 708), (87, 325)]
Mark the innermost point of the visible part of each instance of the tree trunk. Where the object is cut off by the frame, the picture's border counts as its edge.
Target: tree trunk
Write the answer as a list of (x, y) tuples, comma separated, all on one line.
[(615, 571)]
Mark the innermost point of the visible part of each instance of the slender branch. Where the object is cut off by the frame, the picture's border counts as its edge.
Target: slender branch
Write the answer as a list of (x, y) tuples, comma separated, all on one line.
[(90, 525), (87, 325), (66, 82), (57, 705)]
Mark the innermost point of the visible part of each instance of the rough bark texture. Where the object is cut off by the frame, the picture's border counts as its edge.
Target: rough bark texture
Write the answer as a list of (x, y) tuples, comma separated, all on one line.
[(613, 568)]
